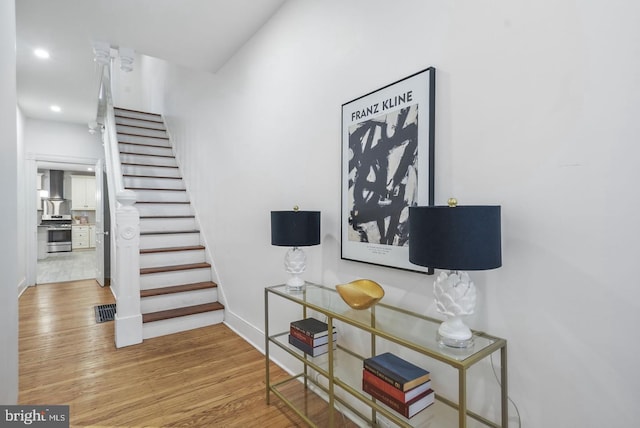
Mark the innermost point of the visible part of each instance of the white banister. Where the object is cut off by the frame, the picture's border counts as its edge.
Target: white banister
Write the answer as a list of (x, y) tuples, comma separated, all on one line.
[(125, 227)]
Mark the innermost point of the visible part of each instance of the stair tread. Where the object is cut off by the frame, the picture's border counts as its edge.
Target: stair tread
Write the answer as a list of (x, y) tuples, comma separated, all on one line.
[(180, 312), (138, 135), (168, 232), (173, 268), (137, 118), (146, 164), (171, 249), (140, 127), (148, 154), (177, 289), (167, 216), (161, 202), (136, 111), (150, 176), (145, 145), (155, 188)]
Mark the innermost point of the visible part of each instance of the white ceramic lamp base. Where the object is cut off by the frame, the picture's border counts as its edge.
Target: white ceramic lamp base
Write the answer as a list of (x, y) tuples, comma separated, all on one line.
[(455, 296), (295, 263)]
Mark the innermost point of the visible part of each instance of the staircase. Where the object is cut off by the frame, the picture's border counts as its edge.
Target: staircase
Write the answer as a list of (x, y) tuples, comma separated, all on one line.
[(177, 292)]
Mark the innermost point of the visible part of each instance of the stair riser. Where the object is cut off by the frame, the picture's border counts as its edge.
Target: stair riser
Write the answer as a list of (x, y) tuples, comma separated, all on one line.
[(169, 240), (138, 122), (168, 279), (176, 325), (157, 142), (137, 115), (148, 160), (150, 171), (161, 195), (140, 131), (171, 258), (153, 183), (162, 224), (145, 150), (177, 300), (164, 209)]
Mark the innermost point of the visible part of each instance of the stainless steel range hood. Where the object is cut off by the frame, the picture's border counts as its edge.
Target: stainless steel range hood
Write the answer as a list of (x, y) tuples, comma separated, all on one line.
[(56, 184), (56, 207)]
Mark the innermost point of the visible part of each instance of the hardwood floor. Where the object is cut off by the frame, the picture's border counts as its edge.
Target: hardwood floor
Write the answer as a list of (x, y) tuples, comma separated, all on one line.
[(208, 377)]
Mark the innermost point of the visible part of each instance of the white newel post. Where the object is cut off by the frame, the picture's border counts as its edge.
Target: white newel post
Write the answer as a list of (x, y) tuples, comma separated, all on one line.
[(128, 319)]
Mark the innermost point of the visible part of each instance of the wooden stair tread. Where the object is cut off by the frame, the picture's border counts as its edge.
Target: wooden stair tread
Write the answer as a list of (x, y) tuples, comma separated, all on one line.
[(154, 188), (151, 176), (148, 154), (145, 145), (167, 216), (140, 127), (168, 232), (161, 202), (174, 268), (181, 312), (177, 289), (137, 118), (146, 164), (136, 111), (171, 249), (138, 135)]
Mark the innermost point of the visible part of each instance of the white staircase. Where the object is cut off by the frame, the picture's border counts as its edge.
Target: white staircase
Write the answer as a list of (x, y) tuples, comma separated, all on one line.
[(177, 291)]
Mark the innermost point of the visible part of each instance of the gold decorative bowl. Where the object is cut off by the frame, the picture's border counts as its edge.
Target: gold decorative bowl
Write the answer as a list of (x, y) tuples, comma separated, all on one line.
[(361, 293)]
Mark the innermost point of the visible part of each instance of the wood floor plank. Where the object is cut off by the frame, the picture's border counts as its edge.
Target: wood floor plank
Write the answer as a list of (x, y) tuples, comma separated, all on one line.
[(208, 377)]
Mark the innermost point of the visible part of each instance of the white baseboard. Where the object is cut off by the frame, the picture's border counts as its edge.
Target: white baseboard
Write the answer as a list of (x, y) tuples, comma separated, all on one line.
[(22, 286)]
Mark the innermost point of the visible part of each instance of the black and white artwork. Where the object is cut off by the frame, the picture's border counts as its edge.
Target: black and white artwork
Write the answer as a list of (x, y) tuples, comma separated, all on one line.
[(387, 167)]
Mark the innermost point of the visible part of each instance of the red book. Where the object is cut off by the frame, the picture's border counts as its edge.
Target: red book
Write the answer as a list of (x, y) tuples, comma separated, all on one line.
[(408, 410), (389, 389), (310, 340)]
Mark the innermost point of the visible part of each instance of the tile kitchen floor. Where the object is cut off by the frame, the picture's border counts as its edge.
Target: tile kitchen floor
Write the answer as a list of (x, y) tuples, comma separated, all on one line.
[(67, 266)]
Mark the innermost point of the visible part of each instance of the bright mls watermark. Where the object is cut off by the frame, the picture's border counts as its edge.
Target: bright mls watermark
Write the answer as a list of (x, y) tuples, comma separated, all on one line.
[(34, 416)]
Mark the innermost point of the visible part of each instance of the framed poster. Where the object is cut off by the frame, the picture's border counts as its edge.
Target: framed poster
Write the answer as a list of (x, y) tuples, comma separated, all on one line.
[(387, 166)]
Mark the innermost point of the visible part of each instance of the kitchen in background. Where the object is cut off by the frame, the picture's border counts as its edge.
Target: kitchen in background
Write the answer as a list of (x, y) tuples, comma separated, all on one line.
[(66, 225)]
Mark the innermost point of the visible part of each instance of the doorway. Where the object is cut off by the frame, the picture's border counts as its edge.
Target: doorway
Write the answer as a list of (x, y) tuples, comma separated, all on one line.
[(79, 261)]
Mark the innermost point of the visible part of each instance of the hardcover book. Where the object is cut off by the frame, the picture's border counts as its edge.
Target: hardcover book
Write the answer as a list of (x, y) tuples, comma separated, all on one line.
[(311, 327), (408, 410), (309, 350), (396, 371), (309, 340), (392, 391)]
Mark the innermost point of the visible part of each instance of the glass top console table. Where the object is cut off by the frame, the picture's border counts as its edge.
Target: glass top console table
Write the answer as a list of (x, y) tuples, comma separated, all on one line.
[(381, 322)]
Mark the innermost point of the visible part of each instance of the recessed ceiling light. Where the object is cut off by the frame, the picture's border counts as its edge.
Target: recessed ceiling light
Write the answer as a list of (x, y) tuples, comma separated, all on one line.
[(89, 169), (55, 108), (41, 53)]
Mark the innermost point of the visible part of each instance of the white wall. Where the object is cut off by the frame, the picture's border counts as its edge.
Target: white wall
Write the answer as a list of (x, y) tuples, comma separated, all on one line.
[(23, 191), (536, 111), (8, 192), (49, 139)]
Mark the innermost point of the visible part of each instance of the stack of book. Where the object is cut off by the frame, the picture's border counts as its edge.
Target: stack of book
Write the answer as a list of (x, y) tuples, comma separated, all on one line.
[(311, 336), (397, 383)]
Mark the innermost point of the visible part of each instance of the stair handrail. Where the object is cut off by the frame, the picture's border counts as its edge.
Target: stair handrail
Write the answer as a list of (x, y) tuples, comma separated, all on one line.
[(125, 230)]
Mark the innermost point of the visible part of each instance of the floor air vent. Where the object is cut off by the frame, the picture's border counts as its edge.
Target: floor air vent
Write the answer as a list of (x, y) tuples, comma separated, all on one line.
[(105, 312)]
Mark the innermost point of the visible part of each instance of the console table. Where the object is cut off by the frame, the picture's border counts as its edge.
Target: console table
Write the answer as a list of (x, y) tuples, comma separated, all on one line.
[(338, 373)]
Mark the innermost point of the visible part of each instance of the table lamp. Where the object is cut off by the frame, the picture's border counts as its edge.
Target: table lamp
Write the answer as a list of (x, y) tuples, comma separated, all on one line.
[(457, 238), (295, 229)]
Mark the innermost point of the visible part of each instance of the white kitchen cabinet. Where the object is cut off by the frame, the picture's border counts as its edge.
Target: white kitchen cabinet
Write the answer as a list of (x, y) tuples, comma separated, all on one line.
[(83, 192), (92, 236), (79, 237)]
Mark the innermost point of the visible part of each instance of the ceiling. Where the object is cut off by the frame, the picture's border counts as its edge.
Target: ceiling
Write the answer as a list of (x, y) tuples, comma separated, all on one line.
[(200, 34)]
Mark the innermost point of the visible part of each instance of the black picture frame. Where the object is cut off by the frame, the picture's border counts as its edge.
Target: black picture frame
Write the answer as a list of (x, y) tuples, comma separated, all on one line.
[(387, 165)]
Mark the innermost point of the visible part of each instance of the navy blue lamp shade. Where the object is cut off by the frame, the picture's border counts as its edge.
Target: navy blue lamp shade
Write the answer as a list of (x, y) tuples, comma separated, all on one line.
[(455, 238), (295, 228)]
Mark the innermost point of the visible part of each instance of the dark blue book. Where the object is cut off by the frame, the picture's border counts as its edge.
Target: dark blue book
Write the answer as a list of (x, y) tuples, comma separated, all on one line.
[(396, 371), (309, 350)]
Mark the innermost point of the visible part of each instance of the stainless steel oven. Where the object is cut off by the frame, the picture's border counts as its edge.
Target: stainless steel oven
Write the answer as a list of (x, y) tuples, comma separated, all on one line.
[(59, 238)]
